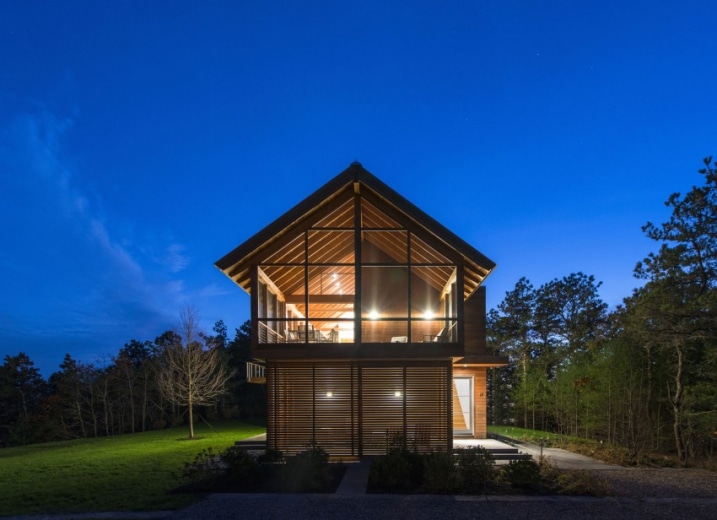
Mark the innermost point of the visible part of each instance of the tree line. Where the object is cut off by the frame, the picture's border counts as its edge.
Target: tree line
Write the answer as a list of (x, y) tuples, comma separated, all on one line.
[(642, 376), (147, 385)]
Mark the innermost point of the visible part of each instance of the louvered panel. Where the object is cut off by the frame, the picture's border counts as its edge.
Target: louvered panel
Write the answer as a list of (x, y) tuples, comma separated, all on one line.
[(427, 407), (381, 407), (313, 402), (336, 415), (290, 399)]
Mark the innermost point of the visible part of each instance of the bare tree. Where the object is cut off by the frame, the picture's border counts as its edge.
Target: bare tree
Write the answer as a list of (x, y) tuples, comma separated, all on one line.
[(191, 374)]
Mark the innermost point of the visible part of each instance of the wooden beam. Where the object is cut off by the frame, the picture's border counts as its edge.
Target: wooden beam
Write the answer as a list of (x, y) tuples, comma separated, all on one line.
[(320, 298)]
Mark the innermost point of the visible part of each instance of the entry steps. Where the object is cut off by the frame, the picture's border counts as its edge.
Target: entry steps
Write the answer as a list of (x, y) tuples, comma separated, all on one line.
[(502, 453), (507, 454)]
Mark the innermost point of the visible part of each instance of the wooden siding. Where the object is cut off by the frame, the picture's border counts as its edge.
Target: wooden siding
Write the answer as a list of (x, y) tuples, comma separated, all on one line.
[(352, 410), (474, 324)]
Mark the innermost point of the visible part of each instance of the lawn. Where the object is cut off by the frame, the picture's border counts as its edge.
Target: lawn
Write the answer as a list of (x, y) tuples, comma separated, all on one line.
[(534, 436), (124, 473)]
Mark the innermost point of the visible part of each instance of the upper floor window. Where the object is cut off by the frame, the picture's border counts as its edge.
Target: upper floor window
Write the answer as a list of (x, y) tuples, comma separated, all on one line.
[(382, 277)]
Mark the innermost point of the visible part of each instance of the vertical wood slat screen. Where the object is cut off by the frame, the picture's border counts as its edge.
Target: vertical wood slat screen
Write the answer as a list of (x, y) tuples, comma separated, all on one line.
[(428, 408), (336, 428), (421, 414), (301, 410), (291, 408), (381, 408), (413, 402)]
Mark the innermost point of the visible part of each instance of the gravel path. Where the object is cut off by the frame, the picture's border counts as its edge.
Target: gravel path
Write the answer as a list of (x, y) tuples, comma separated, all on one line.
[(665, 493), (662, 483), (371, 507), (638, 493)]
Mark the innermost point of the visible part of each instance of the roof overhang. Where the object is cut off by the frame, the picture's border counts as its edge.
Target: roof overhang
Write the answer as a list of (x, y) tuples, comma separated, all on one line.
[(355, 180)]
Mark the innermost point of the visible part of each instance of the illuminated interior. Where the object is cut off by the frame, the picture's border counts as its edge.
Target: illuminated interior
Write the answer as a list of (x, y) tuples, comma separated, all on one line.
[(376, 282)]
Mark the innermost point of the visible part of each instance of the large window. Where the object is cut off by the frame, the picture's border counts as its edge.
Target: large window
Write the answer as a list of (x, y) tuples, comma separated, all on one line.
[(383, 278)]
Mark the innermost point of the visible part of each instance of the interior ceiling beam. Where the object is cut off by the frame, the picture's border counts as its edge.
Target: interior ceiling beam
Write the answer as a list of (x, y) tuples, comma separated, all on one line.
[(411, 225), (301, 225), (321, 298)]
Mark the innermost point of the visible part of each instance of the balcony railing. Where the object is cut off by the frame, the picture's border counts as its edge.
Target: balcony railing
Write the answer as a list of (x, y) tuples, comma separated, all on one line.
[(373, 331), (255, 372)]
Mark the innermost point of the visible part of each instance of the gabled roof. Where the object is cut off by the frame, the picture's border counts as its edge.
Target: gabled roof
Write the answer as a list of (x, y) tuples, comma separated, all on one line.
[(329, 198)]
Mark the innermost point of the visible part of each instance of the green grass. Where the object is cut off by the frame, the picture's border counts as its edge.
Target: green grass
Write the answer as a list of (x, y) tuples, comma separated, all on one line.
[(124, 473), (534, 436), (610, 453)]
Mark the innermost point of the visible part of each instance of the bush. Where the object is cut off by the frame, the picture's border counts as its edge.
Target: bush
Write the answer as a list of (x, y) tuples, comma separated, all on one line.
[(476, 469), (240, 469), (399, 471), (522, 474), (582, 482), (439, 473), (308, 471), (203, 472), (271, 456), (549, 474)]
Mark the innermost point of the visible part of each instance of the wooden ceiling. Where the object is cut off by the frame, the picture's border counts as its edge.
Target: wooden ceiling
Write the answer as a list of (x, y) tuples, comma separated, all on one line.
[(322, 230)]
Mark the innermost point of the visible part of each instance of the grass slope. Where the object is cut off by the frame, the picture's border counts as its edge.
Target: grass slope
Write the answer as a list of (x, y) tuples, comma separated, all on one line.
[(534, 436), (124, 473)]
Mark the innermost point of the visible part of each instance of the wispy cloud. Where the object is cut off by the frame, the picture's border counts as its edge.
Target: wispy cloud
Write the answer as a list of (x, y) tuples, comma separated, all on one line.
[(77, 278), (175, 258)]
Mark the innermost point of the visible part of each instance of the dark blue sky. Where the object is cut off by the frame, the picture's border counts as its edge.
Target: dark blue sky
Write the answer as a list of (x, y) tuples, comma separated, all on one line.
[(141, 141)]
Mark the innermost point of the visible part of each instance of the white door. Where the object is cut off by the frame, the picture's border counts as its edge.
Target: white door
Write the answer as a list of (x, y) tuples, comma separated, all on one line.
[(462, 406)]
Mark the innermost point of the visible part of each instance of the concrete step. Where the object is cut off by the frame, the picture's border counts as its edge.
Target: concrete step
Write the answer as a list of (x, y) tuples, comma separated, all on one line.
[(251, 445)]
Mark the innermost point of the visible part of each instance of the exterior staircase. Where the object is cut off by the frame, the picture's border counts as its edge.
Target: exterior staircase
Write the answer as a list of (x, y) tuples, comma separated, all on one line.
[(256, 443), (502, 453), (507, 454)]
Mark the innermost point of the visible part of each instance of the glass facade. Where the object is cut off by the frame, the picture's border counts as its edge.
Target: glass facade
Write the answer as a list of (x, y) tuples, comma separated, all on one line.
[(357, 275)]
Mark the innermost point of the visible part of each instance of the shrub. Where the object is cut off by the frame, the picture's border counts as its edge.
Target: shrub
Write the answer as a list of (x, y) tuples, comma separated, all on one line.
[(400, 470), (307, 471), (271, 456), (240, 468), (439, 473), (202, 472), (582, 482), (476, 469), (522, 474), (549, 474)]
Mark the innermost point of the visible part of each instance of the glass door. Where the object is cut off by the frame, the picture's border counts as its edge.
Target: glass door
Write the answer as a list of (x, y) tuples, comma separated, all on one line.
[(463, 406)]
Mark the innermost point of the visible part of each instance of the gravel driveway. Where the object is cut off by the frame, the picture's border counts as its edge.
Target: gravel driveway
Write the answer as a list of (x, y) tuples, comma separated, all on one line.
[(638, 493)]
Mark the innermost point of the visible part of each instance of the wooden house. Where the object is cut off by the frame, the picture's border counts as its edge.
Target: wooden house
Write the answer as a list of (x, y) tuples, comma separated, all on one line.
[(368, 322)]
